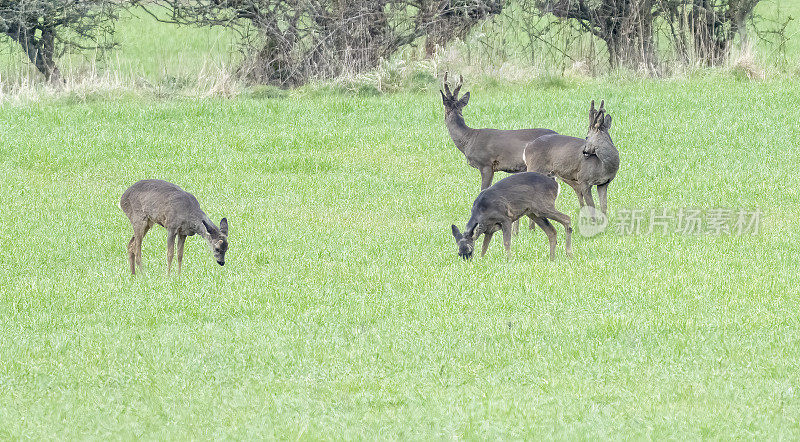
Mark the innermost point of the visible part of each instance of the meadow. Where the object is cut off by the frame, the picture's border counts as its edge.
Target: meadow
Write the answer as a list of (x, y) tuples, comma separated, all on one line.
[(343, 310)]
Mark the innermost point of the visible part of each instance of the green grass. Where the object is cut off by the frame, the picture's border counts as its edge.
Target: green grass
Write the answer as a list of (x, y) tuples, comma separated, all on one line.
[(148, 53), (168, 54), (343, 310)]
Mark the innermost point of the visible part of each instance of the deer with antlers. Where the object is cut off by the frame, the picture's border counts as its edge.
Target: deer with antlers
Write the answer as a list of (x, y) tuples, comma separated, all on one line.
[(581, 163), (488, 150)]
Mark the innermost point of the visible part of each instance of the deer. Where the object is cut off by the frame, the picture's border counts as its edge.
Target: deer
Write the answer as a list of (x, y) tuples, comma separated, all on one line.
[(528, 194), (150, 202), (488, 150), (581, 163)]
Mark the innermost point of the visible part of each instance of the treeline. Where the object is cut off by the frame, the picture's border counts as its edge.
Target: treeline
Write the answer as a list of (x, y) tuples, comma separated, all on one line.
[(289, 42), (645, 35)]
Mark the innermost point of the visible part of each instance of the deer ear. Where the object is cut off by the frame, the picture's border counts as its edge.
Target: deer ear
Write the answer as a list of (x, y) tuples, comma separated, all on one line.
[(209, 228), (223, 226), (464, 100), (607, 122), (456, 233)]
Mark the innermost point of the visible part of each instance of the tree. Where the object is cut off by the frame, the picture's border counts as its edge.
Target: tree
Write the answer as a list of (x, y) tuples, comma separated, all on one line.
[(446, 20), (288, 42), (45, 29), (714, 25), (626, 26), (629, 27)]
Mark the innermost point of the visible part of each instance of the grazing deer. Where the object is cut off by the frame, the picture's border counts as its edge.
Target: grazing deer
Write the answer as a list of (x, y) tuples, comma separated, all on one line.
[(581, 163), (488, 150), (496, 208), (151, 202)]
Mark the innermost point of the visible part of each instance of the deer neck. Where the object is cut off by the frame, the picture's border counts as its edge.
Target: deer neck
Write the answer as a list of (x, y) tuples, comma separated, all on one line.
[(201, 229), (474, 228), (609, 157), (459, 131)]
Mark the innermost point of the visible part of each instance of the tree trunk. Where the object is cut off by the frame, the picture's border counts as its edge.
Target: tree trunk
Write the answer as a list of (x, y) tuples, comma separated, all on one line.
[(39, 50), (709, 47), (613, 39)]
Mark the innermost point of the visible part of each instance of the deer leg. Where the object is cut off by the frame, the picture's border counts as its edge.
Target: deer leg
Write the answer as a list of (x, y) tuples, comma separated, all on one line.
[(506, 227), (587, 195), (138, 251), (132, 254), (170, 248), (487, 175), (566, 221), (487, 238), (140, 228), (515, 228), (550, 231), (577, 190), (181, 241), (532, 222), (139, 240), (602, 194)]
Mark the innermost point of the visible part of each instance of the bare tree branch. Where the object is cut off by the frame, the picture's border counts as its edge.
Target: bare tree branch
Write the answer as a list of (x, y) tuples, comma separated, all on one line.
[(45, 29), (288, 42)]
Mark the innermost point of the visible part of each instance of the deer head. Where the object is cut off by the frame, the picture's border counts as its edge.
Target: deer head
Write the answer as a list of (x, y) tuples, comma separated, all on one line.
[(218, 239), (465, 243), (598, 137), (450, 99)]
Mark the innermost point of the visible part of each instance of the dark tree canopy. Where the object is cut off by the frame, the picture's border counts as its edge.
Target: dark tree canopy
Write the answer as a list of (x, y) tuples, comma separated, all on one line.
[(625, 26), (701, 30), (445, 20), (288, 42), (45, 29)]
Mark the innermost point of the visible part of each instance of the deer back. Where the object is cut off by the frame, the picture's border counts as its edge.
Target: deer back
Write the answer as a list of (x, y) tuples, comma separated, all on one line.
[(166, 204), (513, 197), (496, 148), (560, 155)]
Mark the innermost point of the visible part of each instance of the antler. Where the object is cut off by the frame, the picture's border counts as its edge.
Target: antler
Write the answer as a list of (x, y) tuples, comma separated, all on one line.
[(458, 86), (596, 118), (599, 120), (454, 94)]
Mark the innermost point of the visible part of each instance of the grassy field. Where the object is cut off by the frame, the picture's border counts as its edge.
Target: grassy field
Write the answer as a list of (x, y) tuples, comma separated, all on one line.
[(343, 310)]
